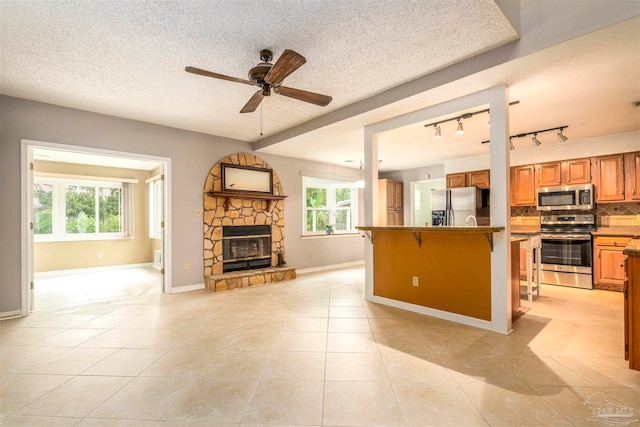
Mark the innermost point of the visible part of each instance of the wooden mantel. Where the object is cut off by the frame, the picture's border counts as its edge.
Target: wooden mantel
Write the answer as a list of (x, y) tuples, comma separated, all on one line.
[(245, 195)]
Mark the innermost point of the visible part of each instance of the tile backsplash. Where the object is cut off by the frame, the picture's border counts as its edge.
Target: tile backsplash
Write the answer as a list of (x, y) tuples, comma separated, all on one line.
[(607, 214)]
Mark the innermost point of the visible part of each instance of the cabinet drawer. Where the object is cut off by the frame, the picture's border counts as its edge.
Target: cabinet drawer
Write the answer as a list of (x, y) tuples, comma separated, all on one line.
[(612, 241)]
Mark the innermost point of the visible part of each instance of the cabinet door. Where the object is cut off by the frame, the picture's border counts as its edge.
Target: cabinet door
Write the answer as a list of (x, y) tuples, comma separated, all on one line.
[(632, 174), (391, 198), (609, 266), (610, 179), (522, 186), (398, 200), (455, 180), (478, 179), (577, 171), (549, 174)]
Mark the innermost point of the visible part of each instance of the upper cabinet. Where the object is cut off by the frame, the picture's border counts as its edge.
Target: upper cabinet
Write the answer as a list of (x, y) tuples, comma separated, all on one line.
[(617, 178), (478, 179), (567, 172), (523, 192)]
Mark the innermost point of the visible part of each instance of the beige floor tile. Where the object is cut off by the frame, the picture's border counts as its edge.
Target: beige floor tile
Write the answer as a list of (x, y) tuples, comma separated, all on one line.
[(349, 325), (250, 341), (72, 361), (286, 402), (351, 342), (75, 398), (115, 338), (512, 405), (346, 302), (473, 368), (126, 362), (264, 324), (144, 398), (26, 335), (602, 371), (402, 367), (360, 404), (355, 367), (348, 312), (227, 365), (436, 405), (101, 422), (542, 371), (413, 344), (302, 341), (198, 424), (179, 363), (71, 337), (304, 366), (306, 324), (18, 391), (572, 403), (108, 321), (213, 401), (26, 421), (22, 359)]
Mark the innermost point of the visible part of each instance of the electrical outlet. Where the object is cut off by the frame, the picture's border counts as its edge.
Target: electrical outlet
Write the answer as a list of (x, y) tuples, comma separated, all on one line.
[(98, 256), (415, 280), (197, 212), (187, 265)]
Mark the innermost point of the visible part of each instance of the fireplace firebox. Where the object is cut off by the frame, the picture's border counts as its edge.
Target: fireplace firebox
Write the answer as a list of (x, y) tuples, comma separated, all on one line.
[(246, 247)]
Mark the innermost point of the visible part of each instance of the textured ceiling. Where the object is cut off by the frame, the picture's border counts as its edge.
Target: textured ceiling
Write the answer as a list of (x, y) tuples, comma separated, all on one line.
[(127, 58)]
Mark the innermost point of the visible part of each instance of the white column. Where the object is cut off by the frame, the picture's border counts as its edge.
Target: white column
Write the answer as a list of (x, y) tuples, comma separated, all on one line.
[(500, 210), (370, 204)]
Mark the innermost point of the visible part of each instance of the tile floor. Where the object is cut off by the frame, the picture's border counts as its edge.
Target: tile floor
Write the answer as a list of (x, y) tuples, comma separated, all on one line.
[(311, 352)]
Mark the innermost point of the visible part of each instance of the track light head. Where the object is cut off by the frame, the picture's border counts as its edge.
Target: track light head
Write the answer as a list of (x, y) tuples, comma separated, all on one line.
[(511, 144), (561, 137), (460, 130), (437, 128), (535, 141)]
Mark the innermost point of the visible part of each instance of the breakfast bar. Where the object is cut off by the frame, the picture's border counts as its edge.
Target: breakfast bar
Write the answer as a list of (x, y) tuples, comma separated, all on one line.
[(442, 268)]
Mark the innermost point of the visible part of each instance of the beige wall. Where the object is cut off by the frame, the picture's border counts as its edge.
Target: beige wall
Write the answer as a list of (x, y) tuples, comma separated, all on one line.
[(50, 256)]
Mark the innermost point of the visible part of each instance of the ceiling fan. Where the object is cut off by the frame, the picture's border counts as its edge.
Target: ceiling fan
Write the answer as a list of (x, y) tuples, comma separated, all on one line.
[(269, 77)]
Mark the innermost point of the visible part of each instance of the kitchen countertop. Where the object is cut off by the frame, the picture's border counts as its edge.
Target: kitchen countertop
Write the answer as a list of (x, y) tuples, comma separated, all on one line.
[(525, 229), (633, 248), (448, 229), (618, 230)]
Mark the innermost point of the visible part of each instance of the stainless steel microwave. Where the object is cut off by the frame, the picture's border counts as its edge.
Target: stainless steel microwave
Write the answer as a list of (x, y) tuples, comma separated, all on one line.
[(567, 197)]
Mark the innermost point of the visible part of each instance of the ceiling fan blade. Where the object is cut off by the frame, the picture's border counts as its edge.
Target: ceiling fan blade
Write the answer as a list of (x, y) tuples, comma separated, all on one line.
[(288, 62), (253, 103), (206, 73), (303, 95)]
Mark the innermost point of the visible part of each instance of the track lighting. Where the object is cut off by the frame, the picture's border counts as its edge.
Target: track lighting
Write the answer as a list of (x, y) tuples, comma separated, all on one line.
[(534, 140), (460, 129), (561, 137)]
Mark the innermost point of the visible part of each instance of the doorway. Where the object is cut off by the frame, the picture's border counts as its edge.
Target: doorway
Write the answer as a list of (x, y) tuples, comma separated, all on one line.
[(421, 200), (70, 263)]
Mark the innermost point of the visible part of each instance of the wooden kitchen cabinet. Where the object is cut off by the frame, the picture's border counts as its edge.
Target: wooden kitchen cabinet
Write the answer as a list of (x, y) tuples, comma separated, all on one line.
[(567, 172), (632, 176), (390, 202), (631, 294), (478, 179), (523, 186), (608, 265), (609, 178), (456, 180)]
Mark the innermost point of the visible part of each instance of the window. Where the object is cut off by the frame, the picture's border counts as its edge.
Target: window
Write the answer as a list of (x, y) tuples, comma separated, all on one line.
[(329, 202), (155, 208), (72, 209)]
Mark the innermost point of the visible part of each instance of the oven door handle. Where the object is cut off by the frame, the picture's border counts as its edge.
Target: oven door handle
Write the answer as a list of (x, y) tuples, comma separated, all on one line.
[(566, 236)]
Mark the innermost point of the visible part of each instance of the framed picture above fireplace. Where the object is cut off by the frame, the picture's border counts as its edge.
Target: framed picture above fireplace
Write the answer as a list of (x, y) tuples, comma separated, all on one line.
[(246, 179)]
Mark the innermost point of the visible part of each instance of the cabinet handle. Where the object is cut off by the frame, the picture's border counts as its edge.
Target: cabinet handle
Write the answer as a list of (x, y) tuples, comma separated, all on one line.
[(568, 180)]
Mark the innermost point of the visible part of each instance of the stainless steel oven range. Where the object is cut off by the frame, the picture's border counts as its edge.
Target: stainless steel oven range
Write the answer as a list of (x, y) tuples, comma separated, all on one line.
[(566, 254)]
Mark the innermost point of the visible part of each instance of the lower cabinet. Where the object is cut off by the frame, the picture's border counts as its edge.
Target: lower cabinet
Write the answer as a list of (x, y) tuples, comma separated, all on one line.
[(608, 263), (632, 311)]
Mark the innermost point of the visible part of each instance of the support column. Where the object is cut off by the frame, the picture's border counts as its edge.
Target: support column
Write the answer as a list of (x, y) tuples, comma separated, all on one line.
[(370, 204)]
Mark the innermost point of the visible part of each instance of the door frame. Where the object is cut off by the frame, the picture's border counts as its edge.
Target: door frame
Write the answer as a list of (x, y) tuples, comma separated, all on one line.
[(412, 190), (26, 210)]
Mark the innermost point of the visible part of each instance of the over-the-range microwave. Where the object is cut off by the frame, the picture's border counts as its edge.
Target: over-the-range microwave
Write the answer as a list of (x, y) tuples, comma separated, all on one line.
[(567, 197)]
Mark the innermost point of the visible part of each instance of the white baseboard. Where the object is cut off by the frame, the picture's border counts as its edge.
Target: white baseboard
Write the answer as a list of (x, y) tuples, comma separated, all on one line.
[(329, 267), (10, 314), (93, 269), (187, 288)]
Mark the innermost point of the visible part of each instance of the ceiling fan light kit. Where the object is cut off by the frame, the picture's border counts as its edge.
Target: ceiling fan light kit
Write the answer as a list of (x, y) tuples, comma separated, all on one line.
[(269, 77)]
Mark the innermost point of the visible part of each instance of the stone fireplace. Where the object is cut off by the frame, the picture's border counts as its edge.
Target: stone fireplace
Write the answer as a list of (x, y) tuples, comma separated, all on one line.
[(235, 253)]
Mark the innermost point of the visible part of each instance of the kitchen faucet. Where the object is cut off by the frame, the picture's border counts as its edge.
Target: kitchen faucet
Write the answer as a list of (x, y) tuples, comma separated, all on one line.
[(475, 221)]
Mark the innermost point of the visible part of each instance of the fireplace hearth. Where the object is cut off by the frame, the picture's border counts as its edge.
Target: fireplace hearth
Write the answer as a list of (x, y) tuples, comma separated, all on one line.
[(246, 247)]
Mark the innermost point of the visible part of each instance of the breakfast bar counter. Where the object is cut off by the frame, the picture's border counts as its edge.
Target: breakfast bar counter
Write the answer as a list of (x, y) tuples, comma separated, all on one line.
[(441, 268)]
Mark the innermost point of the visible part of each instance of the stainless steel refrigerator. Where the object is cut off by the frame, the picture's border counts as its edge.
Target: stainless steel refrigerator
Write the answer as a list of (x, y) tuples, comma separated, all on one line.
[(456, 206)]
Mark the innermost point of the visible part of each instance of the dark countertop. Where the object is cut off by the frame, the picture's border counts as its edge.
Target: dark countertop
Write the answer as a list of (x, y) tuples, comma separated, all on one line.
[(618, 230), (633, 248)]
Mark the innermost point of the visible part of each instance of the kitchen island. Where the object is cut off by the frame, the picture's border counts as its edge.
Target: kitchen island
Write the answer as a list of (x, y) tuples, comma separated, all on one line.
[(441, 268)]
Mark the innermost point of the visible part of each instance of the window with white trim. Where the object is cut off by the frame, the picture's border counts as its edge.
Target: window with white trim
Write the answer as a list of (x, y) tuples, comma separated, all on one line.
[(329, 202), (75, 209), (155, 208)]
